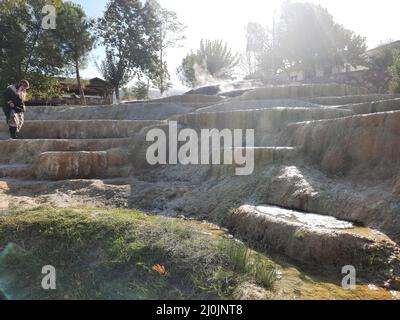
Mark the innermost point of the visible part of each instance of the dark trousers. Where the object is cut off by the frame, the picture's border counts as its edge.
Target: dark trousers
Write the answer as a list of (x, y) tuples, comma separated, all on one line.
[(13, 132)]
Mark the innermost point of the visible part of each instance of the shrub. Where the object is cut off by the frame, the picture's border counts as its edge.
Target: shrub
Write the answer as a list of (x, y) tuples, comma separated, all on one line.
[(238, 255), (242, 260), (394, 70), (264, 271)]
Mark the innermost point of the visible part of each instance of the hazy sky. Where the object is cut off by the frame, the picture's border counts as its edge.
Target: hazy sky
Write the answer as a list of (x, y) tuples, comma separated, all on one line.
[(226, 19)]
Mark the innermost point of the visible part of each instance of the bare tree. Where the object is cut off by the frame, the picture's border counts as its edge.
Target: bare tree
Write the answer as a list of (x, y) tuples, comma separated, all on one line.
[(170, 33)]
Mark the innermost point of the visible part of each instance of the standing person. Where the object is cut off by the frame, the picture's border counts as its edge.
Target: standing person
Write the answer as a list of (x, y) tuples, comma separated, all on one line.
[(14, 109)]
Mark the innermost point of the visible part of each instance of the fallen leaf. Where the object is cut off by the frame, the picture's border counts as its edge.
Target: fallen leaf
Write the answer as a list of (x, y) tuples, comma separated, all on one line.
[(159, 268)]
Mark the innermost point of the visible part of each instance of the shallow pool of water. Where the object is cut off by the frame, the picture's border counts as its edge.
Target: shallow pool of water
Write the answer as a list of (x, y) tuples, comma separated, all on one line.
[(295, 285), (308, 219)]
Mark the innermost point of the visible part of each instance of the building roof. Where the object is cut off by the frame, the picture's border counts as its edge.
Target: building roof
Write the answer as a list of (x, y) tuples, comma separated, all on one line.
[(94, 86), (390, 46), (99, 81)]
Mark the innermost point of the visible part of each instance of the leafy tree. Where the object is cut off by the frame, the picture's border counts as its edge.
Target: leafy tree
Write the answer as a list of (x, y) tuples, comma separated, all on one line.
[(129, 33), (114, 71), (186, 71), (45, 88), (257, 42), (170, 31), (127, 93), (217, 59), (378, 64), (262, 57), (213, 60), (141, 90), (395, 73), (12, 41), (26, 48), (75, 37), (309, 38)]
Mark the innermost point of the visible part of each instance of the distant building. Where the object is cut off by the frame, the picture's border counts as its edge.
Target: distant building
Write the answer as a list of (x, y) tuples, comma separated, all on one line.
[(374, 77), (97, 91), (296, 74), (388, 46)]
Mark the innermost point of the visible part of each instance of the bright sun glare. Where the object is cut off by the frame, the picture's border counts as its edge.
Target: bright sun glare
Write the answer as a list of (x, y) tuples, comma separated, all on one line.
[(227, 19)]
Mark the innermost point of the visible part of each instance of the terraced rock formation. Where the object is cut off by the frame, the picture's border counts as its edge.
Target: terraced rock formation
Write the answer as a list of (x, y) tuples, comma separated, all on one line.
[(326, 157)]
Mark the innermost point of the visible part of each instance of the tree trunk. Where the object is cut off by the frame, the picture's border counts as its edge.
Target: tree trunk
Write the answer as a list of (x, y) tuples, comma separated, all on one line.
[(161, 71), (116, 89), (78, 79), (309, 71), (148, 89), (313, 71)]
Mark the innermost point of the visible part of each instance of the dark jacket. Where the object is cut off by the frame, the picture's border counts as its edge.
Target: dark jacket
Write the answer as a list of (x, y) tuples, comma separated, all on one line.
[(10, 95)]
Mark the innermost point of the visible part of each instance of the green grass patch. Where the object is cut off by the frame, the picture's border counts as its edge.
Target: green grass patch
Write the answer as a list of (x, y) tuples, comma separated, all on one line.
[(111, 254), (243, 260)]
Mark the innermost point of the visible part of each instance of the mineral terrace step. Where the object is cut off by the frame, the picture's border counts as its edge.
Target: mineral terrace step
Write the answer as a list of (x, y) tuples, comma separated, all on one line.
[(82, 165), (24, 151), (373, 107), (81, 129), (128, 111), (353, 99), (358, 146), (263, 156), (315, 239), (190, 98), (264, 122), (232, 105), (300, 91), (267, 154), (20, 171)]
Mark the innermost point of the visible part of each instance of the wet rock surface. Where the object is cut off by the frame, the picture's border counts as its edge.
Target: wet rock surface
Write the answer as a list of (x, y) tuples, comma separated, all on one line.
[(232, 105), (129, 111), (81, 129), (300, 91), (314, 239), (81, 164), (350, 99)]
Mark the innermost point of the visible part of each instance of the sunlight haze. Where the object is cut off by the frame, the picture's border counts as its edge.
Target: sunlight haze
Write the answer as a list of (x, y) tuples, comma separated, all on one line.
[(225, 19)]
